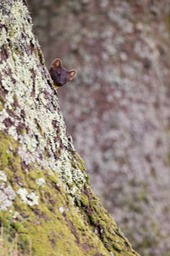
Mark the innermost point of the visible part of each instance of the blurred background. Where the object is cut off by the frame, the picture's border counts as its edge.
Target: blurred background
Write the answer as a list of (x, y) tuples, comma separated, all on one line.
[(117, 109)]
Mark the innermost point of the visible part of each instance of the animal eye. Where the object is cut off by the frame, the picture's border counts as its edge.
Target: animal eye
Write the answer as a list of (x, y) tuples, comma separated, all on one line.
[(58, 73)]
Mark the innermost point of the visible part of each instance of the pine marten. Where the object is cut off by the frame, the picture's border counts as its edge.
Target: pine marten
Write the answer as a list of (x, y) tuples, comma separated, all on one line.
[(59, 74)]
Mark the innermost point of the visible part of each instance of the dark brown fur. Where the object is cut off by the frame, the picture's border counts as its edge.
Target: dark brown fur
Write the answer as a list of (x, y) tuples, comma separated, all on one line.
[(59, 74)]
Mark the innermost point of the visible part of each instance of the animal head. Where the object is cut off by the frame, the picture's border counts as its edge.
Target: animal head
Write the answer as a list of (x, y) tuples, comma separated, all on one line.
[(59, 74)]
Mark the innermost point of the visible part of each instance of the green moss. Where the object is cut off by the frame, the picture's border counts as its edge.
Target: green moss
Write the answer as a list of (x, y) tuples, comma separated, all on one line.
[(54, 225), (5, 220), (25, 244), (116, 246), (64, 230), (84, 200), (18, 226), (3, 154), (168, 21), (77, 162), (1, 106), (52, 177), (8, 244), (54, 221), (103, 225)]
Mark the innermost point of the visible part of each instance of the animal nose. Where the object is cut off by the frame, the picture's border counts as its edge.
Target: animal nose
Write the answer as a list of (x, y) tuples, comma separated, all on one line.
[(60, 84)]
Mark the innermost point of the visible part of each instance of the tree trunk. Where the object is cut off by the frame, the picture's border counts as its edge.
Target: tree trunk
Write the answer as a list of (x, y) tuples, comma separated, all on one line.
[(45, 197)]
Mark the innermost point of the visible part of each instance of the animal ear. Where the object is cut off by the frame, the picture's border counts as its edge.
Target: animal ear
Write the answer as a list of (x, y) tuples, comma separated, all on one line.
[(57, 63), (72, 73)]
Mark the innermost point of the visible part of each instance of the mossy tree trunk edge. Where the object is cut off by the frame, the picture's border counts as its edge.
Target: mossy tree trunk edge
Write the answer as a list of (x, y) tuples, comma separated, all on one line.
[(45, 196)]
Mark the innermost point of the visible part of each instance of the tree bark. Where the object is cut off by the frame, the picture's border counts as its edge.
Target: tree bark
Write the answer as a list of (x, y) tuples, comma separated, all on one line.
[(45, 196)]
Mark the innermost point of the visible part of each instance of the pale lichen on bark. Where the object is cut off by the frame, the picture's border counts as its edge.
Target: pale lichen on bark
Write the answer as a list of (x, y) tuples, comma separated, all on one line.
[(7, 194), (28, 92)]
